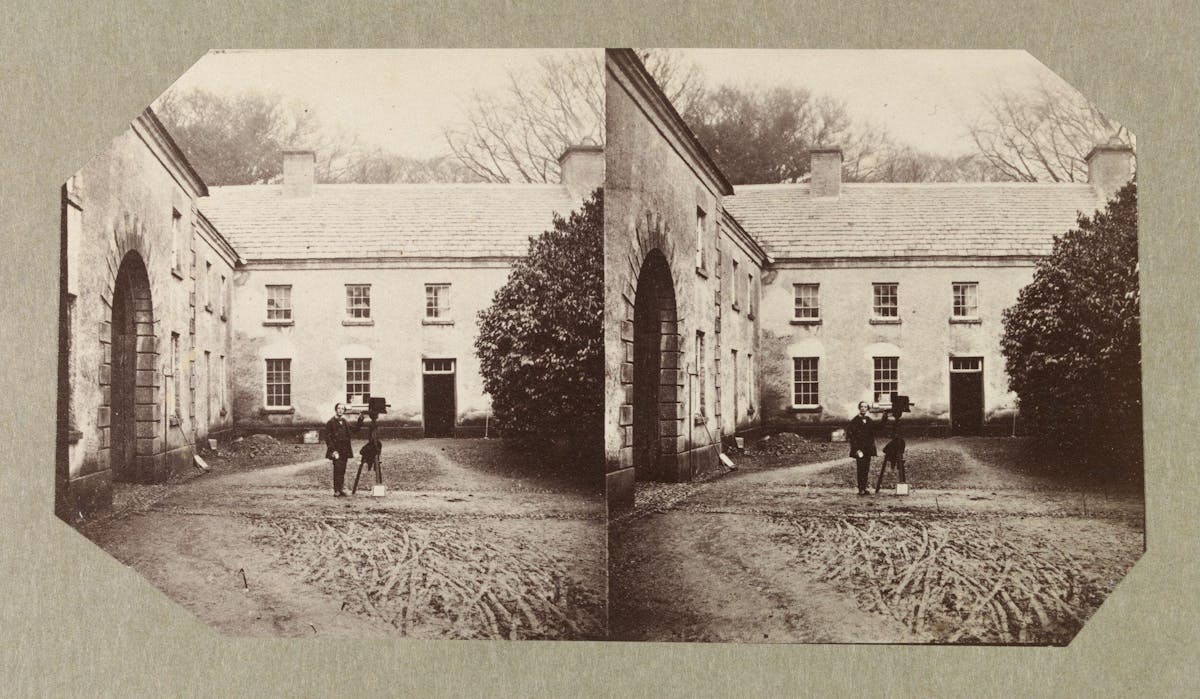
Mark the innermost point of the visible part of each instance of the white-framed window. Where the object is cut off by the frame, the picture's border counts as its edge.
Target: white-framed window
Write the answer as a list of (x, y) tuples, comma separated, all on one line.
[(223, 396), (173, 401), (808, 301), (700, 372), (885, 378), (358, 301), (750, 295), (279, 302), (437, 366), (206, 287), (224, 302), (437, 301), (278, 383), (966, 299), (805, 382), (176, 240), (885, 300), (734, 278), (358, 379), (966, 365), (701, 222), (750, 383)]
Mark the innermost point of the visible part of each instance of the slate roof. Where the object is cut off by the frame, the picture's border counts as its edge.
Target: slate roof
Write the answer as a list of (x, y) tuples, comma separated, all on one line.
[(402, 220), (933, 219)]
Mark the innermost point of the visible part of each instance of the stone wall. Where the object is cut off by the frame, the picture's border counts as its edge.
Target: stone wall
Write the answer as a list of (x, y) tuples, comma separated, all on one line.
[(924, 339), (321, 336)]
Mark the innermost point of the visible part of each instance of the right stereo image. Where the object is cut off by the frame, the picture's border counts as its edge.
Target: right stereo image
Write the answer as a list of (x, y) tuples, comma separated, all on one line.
[(872, 348)]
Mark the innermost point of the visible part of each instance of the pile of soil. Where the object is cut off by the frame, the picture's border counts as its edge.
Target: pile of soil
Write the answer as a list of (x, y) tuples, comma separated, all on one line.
[(258, 451), (781, 443)]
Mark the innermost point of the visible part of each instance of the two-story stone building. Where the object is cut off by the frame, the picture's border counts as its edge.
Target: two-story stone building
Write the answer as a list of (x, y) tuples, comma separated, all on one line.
[(188, 310), (788, 304)]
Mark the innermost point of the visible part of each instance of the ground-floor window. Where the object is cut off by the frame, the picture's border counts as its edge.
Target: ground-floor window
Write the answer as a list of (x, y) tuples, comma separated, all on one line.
[(358, 379), (886, 378), (279, 383), (804, 381)]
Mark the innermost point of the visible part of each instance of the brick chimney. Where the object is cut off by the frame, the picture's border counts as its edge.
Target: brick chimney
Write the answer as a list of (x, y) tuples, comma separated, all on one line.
[(1110, 166), (826, 171), (298, 167), (581, 168)]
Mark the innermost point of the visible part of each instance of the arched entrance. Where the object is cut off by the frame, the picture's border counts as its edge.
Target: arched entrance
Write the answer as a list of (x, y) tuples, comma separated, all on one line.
[(134, 355), (656, 411)]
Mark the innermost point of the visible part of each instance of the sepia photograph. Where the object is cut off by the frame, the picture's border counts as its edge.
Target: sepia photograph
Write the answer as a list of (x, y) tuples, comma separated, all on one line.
[(330, 344), (872, 348)]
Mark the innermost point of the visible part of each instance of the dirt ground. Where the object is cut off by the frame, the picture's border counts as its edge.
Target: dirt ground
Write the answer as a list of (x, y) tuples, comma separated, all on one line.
[(469, 542), (984, 549)]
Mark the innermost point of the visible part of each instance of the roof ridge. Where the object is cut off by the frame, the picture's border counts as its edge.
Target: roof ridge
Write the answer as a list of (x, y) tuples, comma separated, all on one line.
[(887, 185)]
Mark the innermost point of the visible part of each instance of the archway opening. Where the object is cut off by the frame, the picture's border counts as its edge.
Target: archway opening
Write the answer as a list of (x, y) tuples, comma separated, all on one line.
[(132, 336), (655, 349)]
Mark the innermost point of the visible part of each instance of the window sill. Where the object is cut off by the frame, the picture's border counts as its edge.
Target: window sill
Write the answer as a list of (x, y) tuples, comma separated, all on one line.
[(208, 307), (805, 409), (279, 410), (736, 308), (177, 273), (436, 321), (885, 321), (965, 320), (277, 323), (806, 321), (358, 321), (701, 272), (750, 315), (73, 436)]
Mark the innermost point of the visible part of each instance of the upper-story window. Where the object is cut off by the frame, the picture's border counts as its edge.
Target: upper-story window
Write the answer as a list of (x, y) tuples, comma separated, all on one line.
[(808, 303), (279, 303), (966, 299), (734, 278), (750, 295), (206, 286), (358, 301), (701, 258), (176, 241), (886, 301), (437, 301), (224, 301)]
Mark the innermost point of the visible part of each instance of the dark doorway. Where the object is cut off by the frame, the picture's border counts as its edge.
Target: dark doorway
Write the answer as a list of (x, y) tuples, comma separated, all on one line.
[(966, 395), (439, 403), (130, 320), (654, 337)]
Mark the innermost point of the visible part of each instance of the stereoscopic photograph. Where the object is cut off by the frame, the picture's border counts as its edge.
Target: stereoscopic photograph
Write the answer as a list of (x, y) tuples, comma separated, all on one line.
[(760, 346), (872, 348), (330, 344)]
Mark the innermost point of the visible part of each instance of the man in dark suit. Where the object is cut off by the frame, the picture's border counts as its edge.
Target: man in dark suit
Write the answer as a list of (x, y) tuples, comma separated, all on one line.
[(337, 446), (860, 433)]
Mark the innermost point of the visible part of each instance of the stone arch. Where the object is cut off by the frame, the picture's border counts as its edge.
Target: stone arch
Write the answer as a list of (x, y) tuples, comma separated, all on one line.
[(134, 413), (651, 378), (131, 315)]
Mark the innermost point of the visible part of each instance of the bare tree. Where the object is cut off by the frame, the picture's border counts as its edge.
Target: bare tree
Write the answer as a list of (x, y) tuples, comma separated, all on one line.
[(1042, 135), (518, 133)]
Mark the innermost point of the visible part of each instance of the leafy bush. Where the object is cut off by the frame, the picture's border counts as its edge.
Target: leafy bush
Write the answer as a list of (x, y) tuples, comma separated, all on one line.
[(541, 342), (1072, 341)]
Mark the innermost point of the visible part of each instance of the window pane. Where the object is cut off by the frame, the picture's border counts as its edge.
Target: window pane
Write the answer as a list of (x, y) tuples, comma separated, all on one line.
[(358, 301), (437, 300), (279, 302), (966, 299), (886, 378), (886, 301), (358, 378), (805, 383), (279, 383), (806, 301)]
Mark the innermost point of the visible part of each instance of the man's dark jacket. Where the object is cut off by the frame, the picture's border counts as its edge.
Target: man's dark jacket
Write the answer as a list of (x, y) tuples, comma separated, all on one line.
[(860, 432), (337, 438)]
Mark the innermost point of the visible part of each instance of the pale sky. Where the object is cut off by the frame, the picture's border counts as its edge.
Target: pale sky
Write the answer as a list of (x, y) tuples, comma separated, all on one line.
[(404, 99), (920, 97), (399, 99)]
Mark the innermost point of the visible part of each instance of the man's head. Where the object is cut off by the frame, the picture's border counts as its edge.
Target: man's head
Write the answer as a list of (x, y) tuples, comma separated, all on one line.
[(863, 407), (339, 409)]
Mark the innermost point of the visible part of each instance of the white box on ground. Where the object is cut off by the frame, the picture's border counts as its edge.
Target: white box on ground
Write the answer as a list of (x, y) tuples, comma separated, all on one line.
[(740, 442), (311, 437), (727, 461), (838, 435), (902, 489), (378, 491)]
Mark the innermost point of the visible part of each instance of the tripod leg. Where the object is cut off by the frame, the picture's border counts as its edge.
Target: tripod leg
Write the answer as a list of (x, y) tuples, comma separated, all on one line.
[(378, 471), (900, 467), (356, 477), (882, 468)]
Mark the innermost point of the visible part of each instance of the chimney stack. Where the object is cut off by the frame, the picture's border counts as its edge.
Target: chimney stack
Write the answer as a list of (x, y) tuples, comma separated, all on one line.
[(298, 167), (825, 166), (1110, 166), (581, 168)]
